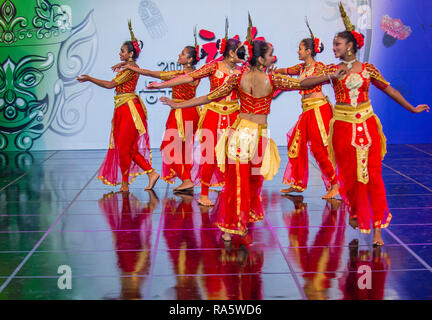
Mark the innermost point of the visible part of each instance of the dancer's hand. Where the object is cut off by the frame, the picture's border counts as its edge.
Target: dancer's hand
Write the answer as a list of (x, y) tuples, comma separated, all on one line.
[(271, 69), (168, 101), (421, 108), (153, 85), (83, 78), (338, 74), (117, 66)]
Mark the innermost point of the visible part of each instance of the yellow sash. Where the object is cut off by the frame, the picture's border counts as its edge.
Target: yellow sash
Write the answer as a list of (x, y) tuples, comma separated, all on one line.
[(179, 119), (128, 98), (315, 104)]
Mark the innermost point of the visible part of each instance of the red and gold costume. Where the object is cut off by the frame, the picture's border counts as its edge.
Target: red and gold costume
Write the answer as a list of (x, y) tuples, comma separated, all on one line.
[(358, 145), (248, 155), (129, 152), (181, 125), (216, 116), (311, 129)]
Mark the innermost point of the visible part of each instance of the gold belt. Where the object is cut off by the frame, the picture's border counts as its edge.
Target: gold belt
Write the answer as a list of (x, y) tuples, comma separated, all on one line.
[(223, 107), (128, 98), (315, 104), (350, 114)]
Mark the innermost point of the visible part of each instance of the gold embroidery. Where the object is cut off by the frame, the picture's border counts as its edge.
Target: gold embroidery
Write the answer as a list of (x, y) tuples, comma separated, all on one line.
[(362, 154), (294, 147), (354, 83), (243, 142), (221, 107)]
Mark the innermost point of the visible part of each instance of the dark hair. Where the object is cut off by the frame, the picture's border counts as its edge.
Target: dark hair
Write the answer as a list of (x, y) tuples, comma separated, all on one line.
[(191, 51), (231, 44), (310, 44), (259, 50), (348, 36), (130, 48)]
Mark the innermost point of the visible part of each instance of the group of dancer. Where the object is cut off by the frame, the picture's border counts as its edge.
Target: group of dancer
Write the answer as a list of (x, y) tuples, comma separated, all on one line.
[(236, 151)]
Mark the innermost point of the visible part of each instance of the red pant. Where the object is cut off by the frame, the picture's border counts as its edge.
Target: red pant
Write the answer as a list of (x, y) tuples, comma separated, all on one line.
[(177, 154), (306, 132), (240, 200), (367, 201), (130, 152), (209, 174)]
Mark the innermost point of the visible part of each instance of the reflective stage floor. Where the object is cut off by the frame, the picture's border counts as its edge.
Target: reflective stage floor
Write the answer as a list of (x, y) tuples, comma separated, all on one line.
[(55, 212)]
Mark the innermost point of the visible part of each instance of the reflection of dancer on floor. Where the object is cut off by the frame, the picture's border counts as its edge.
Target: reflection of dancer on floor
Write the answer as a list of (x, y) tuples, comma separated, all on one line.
[(242, 266), (321, 258), (131, 227), (129, 153), (182, 124), (252, 155), (182, 246), (359, 263), (356, 141), (217, 115), (312, 128)]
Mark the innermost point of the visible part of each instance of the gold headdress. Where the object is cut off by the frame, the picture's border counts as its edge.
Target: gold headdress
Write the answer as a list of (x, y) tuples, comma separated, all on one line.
[(248, 43), (197, 48), (348, 25), (131, 32), (224, 41), (133, 39), (249, 30), (316, 41)]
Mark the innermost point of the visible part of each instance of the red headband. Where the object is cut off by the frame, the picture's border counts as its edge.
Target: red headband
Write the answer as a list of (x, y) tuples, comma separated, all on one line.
[(250, 50), (223, 44), (317, 45), (197, 50), (136, 47), (359, 38)]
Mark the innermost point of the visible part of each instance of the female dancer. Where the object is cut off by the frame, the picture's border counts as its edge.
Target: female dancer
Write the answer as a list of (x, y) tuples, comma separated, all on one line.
[(129, 137), (356, 141), (246, 150), (312, 126), (182, 124), (216, 116)]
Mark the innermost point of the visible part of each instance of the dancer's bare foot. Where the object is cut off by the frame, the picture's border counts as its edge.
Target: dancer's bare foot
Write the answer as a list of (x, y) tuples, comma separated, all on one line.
[(353, 222), (124, 187), (289, 190), (153, 177), (226, 236), (377, 241), (205, 201), (332, 193), (187, 184)]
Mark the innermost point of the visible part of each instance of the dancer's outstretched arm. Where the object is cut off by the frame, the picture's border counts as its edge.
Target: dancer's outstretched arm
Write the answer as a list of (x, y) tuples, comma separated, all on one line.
[(101, 83), (316, 80), (144, 72)]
